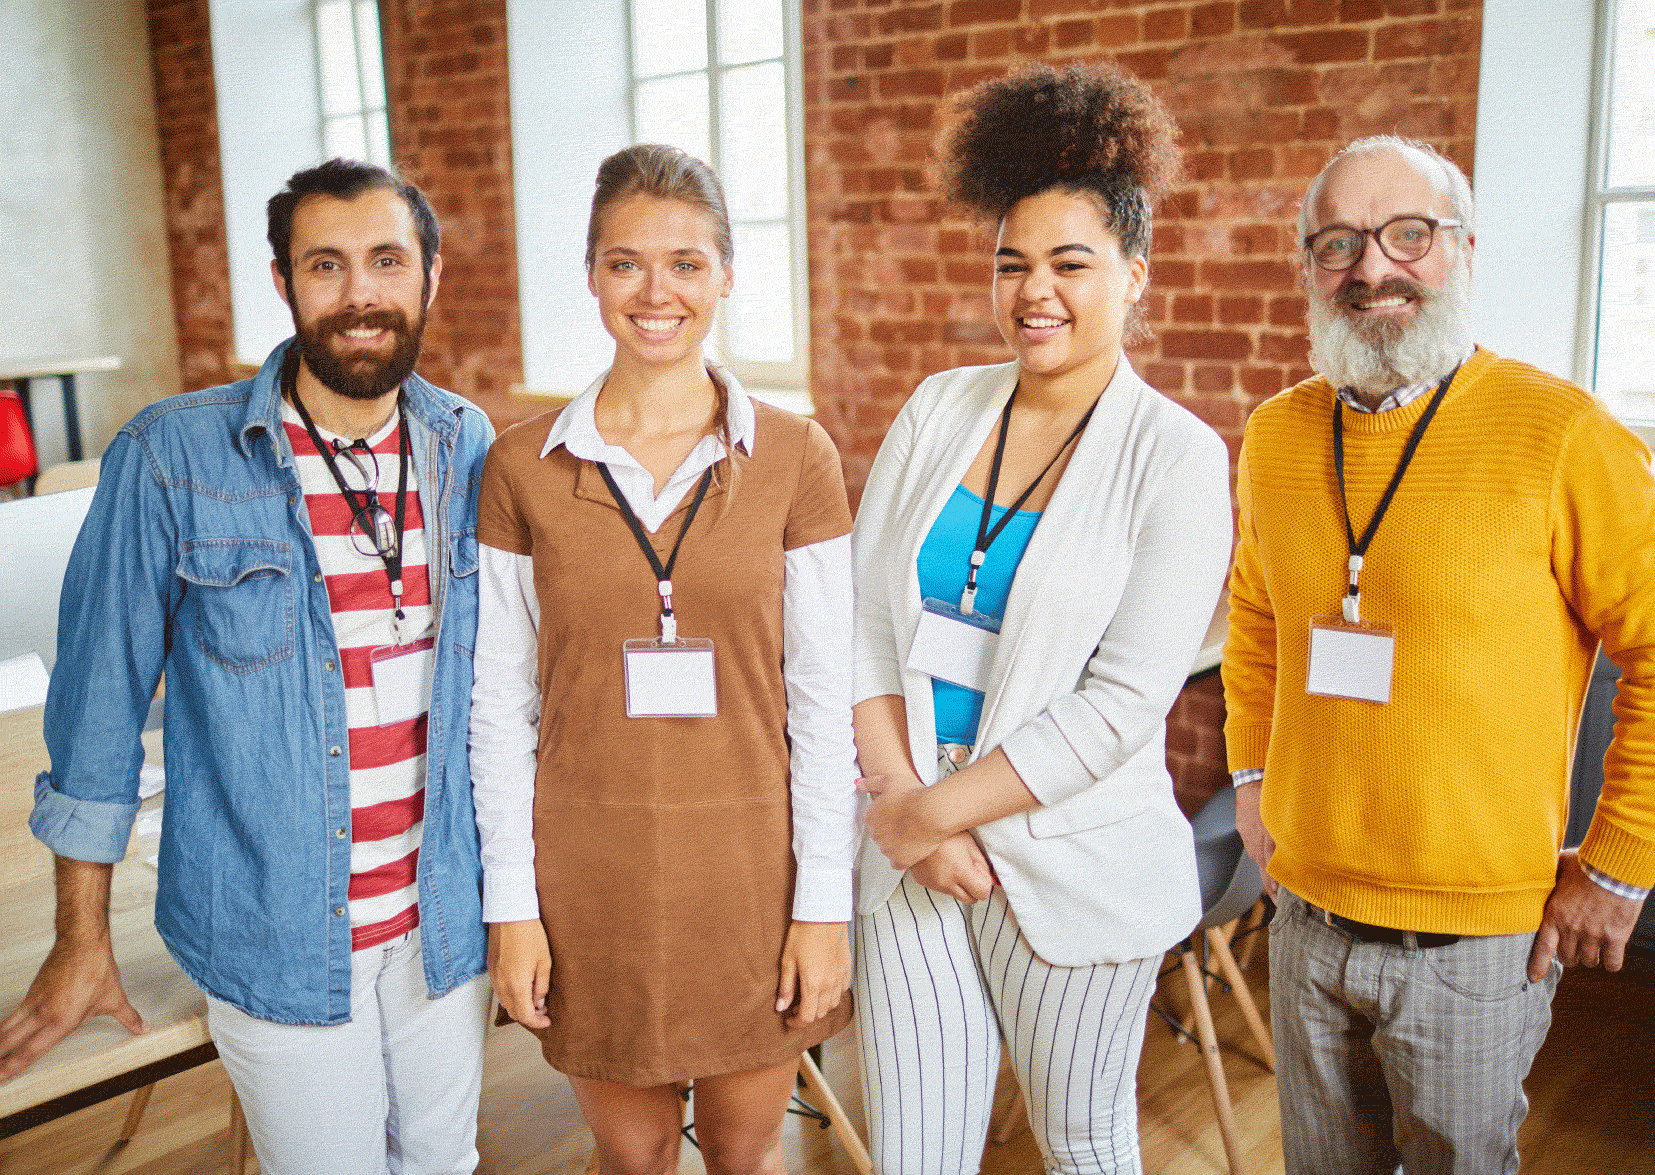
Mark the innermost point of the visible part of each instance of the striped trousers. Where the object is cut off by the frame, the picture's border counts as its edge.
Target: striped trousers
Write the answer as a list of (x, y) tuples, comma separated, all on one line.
[(938, 983)]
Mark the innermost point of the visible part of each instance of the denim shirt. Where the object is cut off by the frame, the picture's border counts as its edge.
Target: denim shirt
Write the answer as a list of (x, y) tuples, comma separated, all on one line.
[(197, 559)]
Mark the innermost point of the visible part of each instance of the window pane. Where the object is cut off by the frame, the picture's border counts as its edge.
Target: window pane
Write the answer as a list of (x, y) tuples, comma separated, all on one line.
[(674, 110), (1632, 95), (759, 318), (668, 36), (336, 58), (749, 30), (343, 138), (752, 127), (370, 55), (1625, 377), (379, 138)]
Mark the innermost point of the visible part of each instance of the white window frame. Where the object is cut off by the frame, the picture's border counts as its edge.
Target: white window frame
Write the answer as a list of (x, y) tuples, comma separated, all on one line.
[(786, 377), (378, 144), (1600, 195)]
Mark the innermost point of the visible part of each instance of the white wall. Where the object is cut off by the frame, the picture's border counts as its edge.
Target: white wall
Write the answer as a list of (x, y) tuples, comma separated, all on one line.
[(269, 126), (569, 110), (84, 267), (1533, 146)]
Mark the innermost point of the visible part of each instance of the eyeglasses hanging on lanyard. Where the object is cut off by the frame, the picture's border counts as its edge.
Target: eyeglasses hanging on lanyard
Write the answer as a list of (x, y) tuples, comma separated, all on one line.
[(985, 534), (370, 521)]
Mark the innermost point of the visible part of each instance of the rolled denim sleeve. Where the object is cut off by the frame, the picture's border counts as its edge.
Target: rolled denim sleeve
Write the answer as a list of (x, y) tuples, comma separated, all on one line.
[(119, 592)]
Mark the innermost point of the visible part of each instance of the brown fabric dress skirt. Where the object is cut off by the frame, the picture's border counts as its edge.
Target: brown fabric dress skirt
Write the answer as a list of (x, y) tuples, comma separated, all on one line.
[(663, 846)]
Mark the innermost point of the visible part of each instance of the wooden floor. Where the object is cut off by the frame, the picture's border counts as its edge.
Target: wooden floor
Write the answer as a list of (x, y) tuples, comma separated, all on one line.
[(1592, 1092)]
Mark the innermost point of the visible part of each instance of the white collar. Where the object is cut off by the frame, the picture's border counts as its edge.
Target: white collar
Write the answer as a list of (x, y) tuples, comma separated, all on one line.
[(576, 427)]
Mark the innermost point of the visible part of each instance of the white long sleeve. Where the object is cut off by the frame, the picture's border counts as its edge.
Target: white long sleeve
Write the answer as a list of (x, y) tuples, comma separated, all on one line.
[(816, 670), (505, 726)]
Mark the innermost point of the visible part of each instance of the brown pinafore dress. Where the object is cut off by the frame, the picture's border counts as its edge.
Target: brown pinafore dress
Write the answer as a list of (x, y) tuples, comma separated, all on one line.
[(663, 846)]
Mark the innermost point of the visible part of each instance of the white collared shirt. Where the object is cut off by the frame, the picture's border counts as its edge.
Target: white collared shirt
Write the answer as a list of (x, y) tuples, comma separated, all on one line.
[(816, 612)]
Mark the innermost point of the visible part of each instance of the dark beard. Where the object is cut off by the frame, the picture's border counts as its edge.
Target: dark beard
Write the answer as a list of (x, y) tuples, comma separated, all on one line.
[(361, 378)]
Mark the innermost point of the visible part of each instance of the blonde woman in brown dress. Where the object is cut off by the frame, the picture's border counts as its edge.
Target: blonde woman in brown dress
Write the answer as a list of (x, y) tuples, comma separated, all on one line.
[(660, 730)]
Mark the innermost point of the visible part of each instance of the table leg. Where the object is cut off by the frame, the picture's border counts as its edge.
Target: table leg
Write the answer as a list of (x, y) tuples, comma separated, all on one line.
[(71, 415)]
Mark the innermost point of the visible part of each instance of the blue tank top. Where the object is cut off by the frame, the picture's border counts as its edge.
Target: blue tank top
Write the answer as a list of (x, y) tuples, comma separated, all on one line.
[(944, 558)]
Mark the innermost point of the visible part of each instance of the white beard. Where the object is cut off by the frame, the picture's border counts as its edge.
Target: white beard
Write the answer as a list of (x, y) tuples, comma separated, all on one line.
[(1379, 357)]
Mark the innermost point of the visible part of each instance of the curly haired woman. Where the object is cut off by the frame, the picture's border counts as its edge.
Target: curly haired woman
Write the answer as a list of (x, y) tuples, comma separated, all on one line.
[(1038, 553)]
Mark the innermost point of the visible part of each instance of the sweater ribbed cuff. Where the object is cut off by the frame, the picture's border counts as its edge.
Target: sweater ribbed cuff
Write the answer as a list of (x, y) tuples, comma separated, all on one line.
[(1246, 745), (1625, 857)]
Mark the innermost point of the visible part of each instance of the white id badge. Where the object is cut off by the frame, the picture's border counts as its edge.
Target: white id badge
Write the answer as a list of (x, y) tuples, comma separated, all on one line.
[(954, 646), (402, 680), (1351, 660), (670, 680)]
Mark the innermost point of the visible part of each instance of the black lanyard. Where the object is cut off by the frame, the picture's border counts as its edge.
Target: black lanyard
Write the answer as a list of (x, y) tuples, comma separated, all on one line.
[(985, 535), (390, 553), (663, 574), (1359, 549)]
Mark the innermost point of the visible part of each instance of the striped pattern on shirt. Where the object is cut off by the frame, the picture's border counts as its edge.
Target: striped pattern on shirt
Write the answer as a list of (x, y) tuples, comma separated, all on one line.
[(387, 763)]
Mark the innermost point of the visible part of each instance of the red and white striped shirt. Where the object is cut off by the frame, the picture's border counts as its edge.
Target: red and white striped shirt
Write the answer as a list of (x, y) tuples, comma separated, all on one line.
[(387, 763)]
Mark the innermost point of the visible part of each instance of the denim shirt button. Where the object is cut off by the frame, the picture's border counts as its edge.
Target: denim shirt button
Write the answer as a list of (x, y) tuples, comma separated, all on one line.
[(340, 834), (317, 578), (339, 911), (328, 665), (335, 752)]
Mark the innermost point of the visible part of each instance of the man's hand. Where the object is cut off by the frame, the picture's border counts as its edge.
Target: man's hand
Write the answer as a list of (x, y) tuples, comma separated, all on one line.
[(1250, 824), (897, 820), (1584, 924), (815, 970), (76, 982), (957, 868), (520, 968)]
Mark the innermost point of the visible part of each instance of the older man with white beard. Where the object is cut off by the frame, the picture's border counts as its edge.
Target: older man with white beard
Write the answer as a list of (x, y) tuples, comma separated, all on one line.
[(1433, 543)]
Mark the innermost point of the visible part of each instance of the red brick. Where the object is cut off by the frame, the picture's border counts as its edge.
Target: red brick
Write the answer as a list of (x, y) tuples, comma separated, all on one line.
[(1261, 14), (974, 12), (913, 19), (1166, 24), (914, 83), (1253, 165), (1240, 310), (1326, 45), (1167, 378), (991, 44), (1209, 377), (1176, 275), (1071, 33), (1274, 348), (1205, 344), (1193, 308), (1254, 238), (1360, 11), (1319, 124), (1287, 311), (1247, 275), (1213, 20), (1112, 32), (1426, 38), (878, 56), (1261, 382)]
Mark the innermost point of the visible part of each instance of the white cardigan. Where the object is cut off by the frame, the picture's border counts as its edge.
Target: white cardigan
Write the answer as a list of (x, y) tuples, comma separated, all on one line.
[(1107, 611)]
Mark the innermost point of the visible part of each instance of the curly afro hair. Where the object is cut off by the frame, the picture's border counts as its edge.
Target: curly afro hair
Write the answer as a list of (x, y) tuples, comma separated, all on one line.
[(1091, 129)]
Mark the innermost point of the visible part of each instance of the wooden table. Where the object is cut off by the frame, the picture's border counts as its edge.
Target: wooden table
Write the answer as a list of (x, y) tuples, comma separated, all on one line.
[(21, 371), (101, 1059)]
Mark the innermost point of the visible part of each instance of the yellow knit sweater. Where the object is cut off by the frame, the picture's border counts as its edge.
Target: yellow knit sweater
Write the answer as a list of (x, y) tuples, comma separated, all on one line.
[(1522, 534)]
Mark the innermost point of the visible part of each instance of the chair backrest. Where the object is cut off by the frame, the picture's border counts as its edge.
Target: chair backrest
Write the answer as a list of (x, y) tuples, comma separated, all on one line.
[(1230, 882), (36, 535), (68, 475)]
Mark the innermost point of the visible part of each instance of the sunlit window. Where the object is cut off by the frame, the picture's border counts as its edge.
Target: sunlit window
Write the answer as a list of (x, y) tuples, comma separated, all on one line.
[(350, 71), (1622, 204), (719, 78)]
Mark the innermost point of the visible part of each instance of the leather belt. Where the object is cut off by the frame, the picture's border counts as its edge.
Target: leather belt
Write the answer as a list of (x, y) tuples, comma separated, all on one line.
[(1411, 939)]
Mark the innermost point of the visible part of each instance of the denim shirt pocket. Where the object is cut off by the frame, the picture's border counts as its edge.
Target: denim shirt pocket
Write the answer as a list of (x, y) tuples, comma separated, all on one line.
[(462, 555), (242, 612)]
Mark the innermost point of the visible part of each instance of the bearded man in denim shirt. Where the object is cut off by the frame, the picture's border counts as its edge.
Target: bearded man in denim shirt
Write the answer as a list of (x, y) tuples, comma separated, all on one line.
[(297, 552)]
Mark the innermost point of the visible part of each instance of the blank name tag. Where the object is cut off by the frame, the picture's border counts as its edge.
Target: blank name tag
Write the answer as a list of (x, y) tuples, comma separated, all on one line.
[(402, 680), (953, 647), (1350, 660), (670, 681)]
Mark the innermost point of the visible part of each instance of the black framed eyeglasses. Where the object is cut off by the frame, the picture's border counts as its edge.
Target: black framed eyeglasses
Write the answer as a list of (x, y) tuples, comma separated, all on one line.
[(1402, 239), (383, 542)]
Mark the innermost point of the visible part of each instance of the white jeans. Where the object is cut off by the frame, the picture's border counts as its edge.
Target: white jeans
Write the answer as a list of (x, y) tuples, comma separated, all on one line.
[(394, 1091)]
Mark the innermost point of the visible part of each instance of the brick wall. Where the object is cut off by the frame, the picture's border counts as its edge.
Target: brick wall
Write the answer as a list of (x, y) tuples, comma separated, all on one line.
[(187, 116), (1264, 91), (449, 110), (445, 65)]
